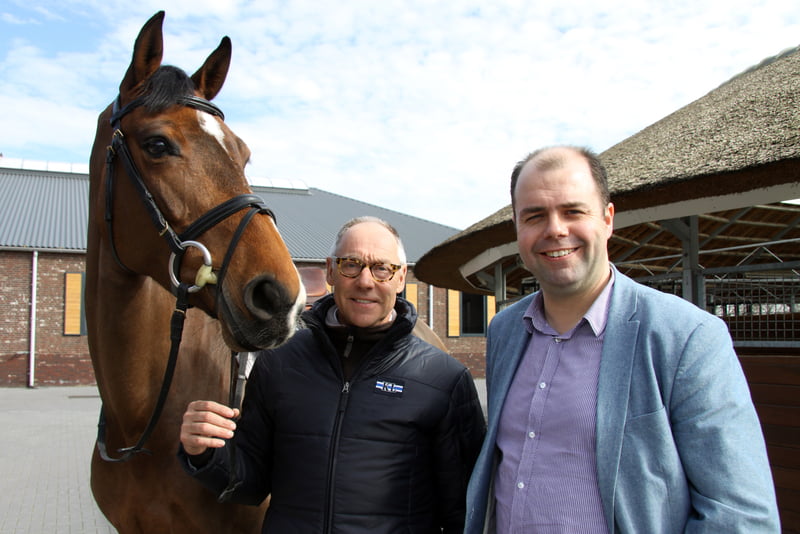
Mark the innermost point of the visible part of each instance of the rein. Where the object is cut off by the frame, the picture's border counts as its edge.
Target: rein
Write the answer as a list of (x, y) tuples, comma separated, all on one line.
[(178, 244)]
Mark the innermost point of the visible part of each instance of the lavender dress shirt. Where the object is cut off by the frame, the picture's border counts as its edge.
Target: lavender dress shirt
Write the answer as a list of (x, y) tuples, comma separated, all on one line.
[(547, 475)]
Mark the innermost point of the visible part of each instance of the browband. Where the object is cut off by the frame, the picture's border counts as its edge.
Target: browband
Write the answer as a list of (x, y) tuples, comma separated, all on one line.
[(117, 111)]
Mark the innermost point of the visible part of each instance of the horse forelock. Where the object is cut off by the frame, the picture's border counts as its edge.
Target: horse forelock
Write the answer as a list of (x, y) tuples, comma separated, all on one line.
[(165, 88)]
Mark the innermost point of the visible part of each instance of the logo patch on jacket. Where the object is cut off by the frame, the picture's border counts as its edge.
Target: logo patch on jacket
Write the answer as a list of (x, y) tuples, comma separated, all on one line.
[(392, 388)]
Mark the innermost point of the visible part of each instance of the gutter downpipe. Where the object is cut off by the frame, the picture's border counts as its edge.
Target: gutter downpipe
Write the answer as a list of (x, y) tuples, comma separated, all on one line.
[(430, 305), (32, 342)]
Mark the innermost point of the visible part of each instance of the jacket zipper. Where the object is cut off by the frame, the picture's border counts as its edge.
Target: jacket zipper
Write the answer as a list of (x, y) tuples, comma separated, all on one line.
[(334, 451), (349, 346)]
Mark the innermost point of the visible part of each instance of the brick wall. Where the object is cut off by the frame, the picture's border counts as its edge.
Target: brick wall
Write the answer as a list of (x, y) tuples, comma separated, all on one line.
[(467, 349), (15, 296), (60, 359)]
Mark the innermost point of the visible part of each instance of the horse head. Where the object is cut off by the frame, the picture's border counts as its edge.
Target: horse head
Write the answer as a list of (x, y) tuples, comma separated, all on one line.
[(170, 200)]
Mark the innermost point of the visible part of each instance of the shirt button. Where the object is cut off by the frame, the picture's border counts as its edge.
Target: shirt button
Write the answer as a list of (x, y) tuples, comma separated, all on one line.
[(542, 385), (520, 485), (557, 340), (531, 434)]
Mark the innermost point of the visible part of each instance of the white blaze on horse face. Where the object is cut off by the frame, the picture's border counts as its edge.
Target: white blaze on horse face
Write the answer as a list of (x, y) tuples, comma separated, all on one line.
[(300, 301), (299, 305), (211, 126)]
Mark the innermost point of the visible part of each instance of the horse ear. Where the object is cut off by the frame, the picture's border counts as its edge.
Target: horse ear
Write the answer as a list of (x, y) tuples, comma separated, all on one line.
[(209, 78), (147, 53)]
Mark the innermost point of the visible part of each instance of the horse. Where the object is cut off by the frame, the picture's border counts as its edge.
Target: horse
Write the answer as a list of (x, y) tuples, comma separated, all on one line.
[(184, 266)]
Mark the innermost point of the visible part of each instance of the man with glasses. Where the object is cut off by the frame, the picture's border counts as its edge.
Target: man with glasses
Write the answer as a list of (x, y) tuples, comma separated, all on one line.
[(354, 425)]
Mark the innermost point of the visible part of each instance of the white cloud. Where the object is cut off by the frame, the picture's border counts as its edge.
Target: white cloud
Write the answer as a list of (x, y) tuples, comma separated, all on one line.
[(10, 18), (418, 106)]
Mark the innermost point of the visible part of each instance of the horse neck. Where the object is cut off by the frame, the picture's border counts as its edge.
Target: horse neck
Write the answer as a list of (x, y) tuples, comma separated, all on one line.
[(128, 333), (128, 319), (131, 344)]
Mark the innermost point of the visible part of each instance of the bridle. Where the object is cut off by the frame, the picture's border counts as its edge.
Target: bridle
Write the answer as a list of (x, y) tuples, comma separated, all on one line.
[(178, 243)]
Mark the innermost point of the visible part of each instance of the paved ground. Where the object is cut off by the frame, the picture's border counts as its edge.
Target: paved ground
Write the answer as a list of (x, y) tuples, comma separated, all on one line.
[(47, 440)]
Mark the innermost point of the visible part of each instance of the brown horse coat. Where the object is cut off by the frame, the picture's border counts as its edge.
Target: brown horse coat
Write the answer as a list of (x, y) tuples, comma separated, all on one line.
[(190, 162)]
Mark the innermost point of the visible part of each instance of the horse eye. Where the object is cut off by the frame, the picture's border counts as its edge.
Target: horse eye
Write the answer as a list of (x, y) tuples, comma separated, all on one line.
[(157, 147)]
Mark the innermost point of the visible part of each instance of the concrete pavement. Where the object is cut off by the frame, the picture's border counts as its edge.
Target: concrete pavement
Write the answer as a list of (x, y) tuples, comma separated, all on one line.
[(47, 440)]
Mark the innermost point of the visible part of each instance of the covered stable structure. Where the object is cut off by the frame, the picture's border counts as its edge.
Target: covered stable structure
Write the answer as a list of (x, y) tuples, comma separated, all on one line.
[(703, 210)]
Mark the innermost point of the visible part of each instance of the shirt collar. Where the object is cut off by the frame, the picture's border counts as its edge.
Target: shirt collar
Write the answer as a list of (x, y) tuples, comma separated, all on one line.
[(596, 316)]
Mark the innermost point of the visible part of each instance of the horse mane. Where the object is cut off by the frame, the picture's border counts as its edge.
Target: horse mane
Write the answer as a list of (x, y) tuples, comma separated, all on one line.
[(165, 87)]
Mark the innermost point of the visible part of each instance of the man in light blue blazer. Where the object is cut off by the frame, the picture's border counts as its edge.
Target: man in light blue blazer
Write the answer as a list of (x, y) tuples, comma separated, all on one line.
[(612, 407)]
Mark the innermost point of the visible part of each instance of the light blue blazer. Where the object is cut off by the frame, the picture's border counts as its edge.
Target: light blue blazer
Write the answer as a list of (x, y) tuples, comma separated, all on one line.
[(679, 445)]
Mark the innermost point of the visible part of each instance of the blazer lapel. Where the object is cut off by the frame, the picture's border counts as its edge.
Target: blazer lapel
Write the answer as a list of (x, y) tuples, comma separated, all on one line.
[(505, 366), (613, 388)]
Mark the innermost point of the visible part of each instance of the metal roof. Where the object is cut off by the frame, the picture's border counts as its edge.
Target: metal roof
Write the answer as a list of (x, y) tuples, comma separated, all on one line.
[(47, 210)]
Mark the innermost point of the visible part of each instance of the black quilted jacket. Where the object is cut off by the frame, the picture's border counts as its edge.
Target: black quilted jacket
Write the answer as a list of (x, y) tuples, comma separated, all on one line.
[(390, 451)]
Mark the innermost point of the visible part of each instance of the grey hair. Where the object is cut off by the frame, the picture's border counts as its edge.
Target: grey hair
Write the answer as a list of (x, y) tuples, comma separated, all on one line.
[(401, 251)]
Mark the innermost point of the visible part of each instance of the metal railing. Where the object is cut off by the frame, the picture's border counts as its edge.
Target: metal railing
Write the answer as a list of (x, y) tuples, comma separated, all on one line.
[(761, 309)]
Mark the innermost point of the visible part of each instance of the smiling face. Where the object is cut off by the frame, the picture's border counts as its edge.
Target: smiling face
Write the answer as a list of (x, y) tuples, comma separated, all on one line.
[(563, 226), (362, 301)]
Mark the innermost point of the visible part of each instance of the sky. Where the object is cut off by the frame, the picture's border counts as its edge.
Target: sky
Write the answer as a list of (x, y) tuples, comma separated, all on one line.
[(420, 106)]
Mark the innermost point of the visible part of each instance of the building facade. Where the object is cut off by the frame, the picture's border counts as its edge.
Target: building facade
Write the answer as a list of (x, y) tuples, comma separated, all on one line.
[(42, 250)]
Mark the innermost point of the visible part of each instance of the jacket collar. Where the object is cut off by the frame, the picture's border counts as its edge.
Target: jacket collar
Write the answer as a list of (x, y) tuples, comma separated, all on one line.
[(387, 351), (406, 315)]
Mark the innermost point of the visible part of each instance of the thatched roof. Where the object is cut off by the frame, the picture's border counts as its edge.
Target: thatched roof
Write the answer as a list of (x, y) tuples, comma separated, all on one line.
[(742, 136), (717, 142)]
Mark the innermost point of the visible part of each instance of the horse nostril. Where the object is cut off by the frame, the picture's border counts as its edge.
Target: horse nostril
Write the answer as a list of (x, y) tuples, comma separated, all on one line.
[(265, 297)]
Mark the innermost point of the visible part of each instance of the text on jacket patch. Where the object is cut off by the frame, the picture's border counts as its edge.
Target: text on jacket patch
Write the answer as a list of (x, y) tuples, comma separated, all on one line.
[(386, 387)]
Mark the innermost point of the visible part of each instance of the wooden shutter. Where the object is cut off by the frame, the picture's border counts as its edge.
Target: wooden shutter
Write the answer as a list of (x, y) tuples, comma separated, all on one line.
[(491, 306), (453, 313), (73, 304), (411, 294)]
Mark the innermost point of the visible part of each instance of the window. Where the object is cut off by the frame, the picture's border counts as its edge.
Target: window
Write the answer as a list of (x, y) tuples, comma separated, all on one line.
[(468, 314), (473, 314)]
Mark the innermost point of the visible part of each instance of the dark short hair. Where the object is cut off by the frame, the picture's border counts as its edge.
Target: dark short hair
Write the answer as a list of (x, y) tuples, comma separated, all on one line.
[(546, 161)]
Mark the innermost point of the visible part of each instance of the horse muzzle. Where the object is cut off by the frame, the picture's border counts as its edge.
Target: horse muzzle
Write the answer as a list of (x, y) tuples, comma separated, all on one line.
[(268, 319)]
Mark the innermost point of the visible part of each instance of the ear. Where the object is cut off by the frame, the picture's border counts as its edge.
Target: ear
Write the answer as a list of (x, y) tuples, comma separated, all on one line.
[(329, 271), (147, 53), (401, 282), (209, 78), (608, 218)]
